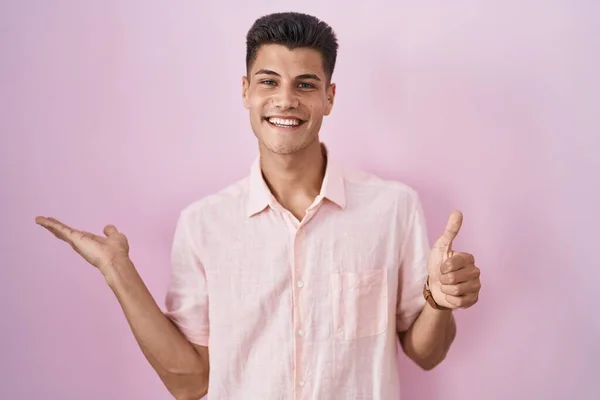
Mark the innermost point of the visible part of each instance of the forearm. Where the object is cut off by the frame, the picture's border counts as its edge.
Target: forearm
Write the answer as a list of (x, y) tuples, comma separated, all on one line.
[(182, 369), (429, 338)]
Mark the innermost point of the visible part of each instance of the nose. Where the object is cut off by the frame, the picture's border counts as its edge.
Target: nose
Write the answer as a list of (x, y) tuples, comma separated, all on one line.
[(285, 98)]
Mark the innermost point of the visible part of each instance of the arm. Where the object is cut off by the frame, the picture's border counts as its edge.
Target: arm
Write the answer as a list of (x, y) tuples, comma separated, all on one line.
[(455, 284), (182, 366), (428, 339)]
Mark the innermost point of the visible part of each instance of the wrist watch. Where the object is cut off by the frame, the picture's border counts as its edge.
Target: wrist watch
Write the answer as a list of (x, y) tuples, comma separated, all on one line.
[(429, 297)]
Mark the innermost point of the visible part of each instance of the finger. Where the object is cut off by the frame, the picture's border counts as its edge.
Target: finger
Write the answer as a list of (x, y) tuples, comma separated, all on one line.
[(451, 266), (456, 262), (65, 232), (110, 230), (465, 274), (452, 228), (54, 232), (461, 289), (465, 301), (59, 229)]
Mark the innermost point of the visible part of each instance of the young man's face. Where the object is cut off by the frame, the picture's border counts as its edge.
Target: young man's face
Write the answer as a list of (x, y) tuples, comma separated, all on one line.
[(287, 95)]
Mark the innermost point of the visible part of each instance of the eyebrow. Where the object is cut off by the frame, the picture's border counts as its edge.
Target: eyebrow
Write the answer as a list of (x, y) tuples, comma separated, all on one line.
[(303, 76)]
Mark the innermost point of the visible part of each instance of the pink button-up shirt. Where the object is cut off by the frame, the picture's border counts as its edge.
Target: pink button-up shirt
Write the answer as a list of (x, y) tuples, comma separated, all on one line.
[(304, 309)]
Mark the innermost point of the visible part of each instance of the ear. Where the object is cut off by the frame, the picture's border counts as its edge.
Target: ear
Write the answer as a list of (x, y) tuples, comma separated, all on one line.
[(245, 88), (330, 98)]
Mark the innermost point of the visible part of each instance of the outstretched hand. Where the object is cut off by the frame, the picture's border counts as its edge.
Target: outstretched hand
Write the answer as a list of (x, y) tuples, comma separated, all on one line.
[(103, 252), (453, 277)]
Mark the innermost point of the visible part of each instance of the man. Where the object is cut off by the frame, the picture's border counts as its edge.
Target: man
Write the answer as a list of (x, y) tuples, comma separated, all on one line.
[(300, 279)]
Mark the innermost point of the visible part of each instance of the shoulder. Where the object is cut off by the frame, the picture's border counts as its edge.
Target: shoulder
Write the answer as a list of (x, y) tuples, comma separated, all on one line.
[(223, 202), (365, 185)]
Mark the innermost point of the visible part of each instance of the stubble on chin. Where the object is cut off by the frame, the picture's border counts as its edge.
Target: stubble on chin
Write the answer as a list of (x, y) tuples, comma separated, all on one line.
[(288, 148)]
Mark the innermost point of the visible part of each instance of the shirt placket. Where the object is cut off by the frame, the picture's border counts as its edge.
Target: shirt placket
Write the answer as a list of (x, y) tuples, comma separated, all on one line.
[(301, 330)]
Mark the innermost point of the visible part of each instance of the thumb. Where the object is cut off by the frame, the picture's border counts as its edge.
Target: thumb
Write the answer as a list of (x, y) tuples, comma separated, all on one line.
[(452, 229), (110, 230)]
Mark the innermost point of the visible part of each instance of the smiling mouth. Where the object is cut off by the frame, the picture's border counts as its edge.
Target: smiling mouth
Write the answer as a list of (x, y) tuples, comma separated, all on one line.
[(284, 122)]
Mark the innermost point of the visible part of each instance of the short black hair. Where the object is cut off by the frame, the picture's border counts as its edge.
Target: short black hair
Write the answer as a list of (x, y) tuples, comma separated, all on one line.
[(293, 30)]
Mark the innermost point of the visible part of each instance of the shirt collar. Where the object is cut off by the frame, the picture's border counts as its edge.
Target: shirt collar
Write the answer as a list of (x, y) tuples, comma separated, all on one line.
[(259, 195)]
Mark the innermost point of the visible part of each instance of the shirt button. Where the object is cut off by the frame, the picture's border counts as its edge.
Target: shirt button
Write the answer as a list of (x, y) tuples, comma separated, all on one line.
[(300, 284), (301, 383), (300, 332)]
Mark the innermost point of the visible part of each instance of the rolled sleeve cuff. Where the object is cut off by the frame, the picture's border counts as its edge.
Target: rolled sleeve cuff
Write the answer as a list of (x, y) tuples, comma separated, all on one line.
[(192, 335)]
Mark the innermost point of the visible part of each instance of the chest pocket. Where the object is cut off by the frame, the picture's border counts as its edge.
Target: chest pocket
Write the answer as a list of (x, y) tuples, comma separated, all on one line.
[(360, 303)]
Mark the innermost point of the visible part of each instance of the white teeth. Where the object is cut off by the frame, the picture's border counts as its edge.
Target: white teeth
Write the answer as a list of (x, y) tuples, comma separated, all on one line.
[(284, 121)]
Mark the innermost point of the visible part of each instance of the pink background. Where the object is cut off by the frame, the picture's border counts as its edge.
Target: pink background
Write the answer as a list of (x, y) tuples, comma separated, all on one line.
[(124, 112)]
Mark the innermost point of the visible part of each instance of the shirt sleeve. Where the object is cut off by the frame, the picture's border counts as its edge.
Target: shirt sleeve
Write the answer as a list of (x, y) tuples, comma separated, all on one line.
[(412, 272), (187, 294)]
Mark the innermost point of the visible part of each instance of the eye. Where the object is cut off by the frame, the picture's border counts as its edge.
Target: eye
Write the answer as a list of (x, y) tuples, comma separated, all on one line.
[(268, 82), (305, 85)]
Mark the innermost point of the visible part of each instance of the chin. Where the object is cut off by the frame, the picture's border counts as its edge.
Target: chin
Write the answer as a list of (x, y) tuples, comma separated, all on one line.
[(285, 146), (282, 148)]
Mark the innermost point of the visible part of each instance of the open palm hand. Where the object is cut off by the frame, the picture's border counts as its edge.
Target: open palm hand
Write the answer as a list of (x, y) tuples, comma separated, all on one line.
[(100, 251)]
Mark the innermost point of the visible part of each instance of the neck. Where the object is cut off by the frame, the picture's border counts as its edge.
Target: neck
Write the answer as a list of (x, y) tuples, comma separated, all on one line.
[(294, 178)]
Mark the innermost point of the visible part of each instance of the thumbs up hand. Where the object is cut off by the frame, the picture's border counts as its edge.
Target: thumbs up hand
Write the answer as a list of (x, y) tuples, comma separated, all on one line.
[(453, 277)]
